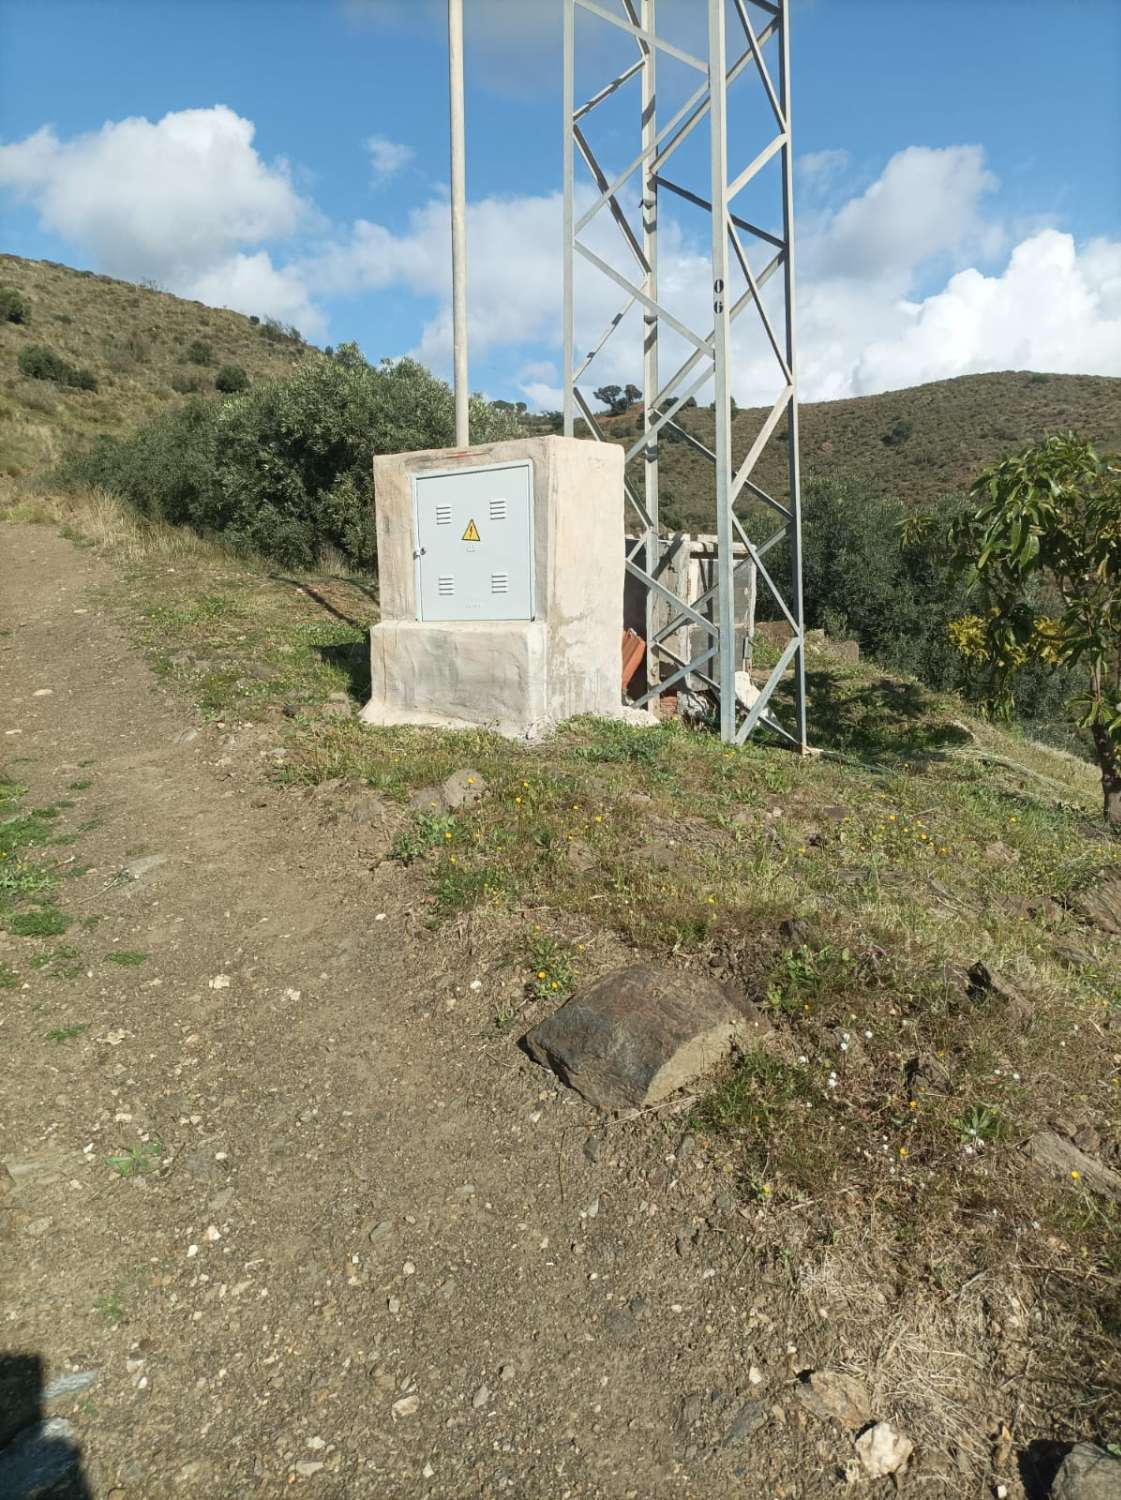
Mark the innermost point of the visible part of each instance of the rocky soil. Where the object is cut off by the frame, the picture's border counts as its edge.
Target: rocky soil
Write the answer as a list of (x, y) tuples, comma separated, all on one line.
[(285, 1208)]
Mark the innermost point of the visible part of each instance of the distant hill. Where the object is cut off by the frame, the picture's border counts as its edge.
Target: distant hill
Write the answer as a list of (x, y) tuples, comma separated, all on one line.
[(138, 342), (913, 444)]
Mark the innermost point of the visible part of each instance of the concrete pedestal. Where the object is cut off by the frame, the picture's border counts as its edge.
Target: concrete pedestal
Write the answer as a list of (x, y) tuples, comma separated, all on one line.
[(521, 677)]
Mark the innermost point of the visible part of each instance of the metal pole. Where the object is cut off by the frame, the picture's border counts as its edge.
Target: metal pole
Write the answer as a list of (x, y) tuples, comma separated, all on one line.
[(722, 447), (459, 220), (793, 462), (650, 333), (569, 239)]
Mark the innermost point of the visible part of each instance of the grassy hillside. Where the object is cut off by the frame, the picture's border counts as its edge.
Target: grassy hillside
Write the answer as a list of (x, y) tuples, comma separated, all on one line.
[(952, 428), (137, 343)]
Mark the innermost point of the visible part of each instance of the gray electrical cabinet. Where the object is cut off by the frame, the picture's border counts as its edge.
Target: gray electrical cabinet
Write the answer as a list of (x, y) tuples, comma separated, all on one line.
[(474, 549)]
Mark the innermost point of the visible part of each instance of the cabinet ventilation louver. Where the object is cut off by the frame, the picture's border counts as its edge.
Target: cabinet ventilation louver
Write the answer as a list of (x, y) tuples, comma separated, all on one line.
[(498, 510), (499, 583), (445, 585)]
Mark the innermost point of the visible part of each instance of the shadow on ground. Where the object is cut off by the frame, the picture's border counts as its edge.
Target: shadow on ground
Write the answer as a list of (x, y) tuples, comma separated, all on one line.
[(325, 592), (38, 1454), (884, 720), (354, 659)]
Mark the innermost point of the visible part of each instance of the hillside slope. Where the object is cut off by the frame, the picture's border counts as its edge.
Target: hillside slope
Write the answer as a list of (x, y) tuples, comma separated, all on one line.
[(953, 428), (135, 340)]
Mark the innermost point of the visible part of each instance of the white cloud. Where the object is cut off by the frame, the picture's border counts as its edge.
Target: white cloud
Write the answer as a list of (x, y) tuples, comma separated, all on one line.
[(1052, 308), (818, 168), (912, 279), (862, 328), (386, 157), (252, 284), (926, 203), (178, 200)]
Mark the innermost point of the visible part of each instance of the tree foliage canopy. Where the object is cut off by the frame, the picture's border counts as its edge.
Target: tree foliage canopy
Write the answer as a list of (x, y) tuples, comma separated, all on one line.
[(1040, 548), (285, 467)]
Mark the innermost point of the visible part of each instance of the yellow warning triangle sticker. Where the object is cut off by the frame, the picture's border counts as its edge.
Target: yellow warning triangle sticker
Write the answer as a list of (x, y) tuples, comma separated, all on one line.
[(472, 533)]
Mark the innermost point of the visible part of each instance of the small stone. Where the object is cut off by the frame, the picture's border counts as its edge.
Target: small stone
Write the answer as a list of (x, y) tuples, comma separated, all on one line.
[(337, 706), (461, 789), (837, 1397), (393, 1304), (1087, 1473), (137, 869), (406, 1407), (1099, 904), (755, 1375), (882, 1450), (1064, 1160), (685, 1149), (985, 983), (506, 1372), (380, 1232), (34, 1228), (619, 1320), (749, 1418), (219, 982), (480, 1398), (592, 1147), (69, 1384), (308, 1466)]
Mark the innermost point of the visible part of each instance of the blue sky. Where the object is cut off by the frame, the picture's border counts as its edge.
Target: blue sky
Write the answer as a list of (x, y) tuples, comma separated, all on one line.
[(959, 191)]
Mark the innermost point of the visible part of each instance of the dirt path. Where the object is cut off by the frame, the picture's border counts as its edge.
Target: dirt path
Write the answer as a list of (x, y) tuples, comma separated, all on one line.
[(382, 1257)]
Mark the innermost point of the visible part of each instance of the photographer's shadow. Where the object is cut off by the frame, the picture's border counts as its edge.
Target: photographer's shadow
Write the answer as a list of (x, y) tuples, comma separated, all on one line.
[(38, 1454)]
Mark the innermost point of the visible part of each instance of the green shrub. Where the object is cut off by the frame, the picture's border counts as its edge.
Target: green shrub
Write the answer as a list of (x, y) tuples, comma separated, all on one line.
[(13, 307), (286, 470), (40, 363), (280, 333), (188, 385), (199, 352), (231, 379), (860, 578), (898, 433)]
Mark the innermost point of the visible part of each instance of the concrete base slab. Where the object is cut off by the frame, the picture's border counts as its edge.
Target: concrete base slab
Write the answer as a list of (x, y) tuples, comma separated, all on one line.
[(477, 673)]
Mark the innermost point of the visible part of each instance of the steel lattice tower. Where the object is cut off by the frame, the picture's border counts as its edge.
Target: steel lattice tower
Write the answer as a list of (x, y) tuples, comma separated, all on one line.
[(744, 260)]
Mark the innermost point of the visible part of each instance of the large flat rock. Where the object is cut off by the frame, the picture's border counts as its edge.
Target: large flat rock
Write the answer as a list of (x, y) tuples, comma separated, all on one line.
[(638, 1034), (1088, 1473)]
